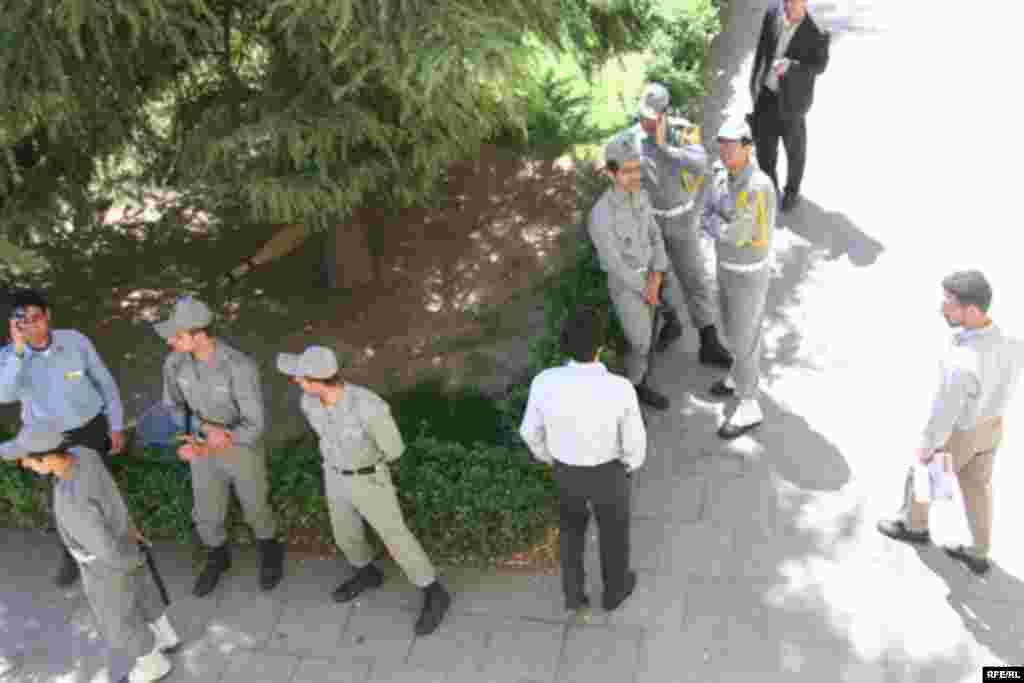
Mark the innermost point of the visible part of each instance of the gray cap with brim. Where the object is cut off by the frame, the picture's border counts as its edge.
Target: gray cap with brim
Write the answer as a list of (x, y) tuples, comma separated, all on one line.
[(316, 362), (35, 440), (736, 130), (188, 314), (654, 101), (622, 148)]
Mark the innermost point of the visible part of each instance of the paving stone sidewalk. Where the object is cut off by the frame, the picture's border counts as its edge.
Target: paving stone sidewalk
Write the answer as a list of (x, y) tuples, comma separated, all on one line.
[(758, 560)]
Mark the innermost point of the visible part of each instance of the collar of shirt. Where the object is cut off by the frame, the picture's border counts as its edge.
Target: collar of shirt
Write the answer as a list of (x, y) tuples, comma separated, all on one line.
[(624, 199), (786, 26), (742, 177), (596, 365), (964, 336)]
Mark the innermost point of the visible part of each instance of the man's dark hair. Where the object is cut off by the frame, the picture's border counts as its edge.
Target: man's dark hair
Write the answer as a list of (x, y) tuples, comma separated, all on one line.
[(583, 333), (23, 298), (612, 166), (970, 288)]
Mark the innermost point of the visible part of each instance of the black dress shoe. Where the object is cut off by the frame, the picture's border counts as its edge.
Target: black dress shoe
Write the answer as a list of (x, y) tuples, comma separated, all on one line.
[(436, 601), (615, 603), (978, 565), (218, 561), (729, 431), (898, 530), (364, 579), (670, 332), (650, 397), (712, 351), (721, 389), (271, 553), (68, 572), (790, 200)]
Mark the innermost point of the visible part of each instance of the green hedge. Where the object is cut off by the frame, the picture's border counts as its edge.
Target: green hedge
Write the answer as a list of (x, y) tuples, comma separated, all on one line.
[(468, 487)]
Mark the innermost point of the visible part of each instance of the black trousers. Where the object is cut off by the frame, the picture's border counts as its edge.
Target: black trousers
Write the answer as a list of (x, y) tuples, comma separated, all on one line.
[(94, 434), (606, 488), (768, 126)]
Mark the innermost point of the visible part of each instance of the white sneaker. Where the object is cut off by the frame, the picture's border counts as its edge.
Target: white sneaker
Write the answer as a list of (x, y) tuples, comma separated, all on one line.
[(748, 412), (150, 668), (167, 639), (729, 382)]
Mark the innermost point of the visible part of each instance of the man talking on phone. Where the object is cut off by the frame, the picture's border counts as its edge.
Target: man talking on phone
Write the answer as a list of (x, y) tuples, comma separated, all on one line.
[(58, 377)]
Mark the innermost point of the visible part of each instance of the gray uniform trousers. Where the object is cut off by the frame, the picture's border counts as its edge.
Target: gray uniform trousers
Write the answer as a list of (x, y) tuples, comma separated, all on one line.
[(637, 318), (245, 468), (352, 498), (742, 301), (124, 603), (691, 284)]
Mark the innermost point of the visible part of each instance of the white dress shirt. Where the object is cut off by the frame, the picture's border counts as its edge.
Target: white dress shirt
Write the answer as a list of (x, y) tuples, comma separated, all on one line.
[(977, 379), (581, 414)]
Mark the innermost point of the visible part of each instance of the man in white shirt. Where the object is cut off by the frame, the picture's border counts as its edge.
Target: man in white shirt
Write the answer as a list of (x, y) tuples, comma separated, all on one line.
[(977, 380), (585, 422)]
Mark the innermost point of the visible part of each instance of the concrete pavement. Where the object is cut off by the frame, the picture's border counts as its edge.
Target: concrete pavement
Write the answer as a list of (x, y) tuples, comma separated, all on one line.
[(758, 556)]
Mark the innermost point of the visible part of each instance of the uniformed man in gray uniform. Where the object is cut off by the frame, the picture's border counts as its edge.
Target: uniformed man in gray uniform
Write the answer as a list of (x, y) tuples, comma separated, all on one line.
[(673, 178), (57, 375), (631, 250), (739, 213), (219, 386), (94, 523), (358, 438)]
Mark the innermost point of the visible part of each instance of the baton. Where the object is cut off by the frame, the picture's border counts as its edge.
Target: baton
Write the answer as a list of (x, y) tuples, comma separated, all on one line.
[(155, 573)]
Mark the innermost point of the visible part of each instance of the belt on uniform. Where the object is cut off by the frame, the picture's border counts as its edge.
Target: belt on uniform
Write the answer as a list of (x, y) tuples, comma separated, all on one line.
[(369, 469), (674, 211), (744, 267)]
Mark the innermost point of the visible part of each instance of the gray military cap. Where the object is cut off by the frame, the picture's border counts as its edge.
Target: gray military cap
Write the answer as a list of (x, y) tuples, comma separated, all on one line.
[(623, 147), (736, 130), (38, 439), (654, 101), (188, 314), (316, 362)]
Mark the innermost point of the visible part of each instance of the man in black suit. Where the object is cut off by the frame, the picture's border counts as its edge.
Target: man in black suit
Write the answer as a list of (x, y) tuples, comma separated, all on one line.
[(791, 52)]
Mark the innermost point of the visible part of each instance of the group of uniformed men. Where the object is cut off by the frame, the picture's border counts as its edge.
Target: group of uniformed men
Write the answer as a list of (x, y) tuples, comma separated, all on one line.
[(72, 421), (581, 419), (646, 229)]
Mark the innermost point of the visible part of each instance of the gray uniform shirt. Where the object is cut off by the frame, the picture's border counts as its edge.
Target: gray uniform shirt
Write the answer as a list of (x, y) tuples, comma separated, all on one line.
[(628, 240), (673, 176), (357, 431), (92, 518), (977, 379), (67, 383), (225, 391), (744, 206)]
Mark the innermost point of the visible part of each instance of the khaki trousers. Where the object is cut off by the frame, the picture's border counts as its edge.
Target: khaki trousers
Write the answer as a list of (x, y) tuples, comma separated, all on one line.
[(372, 497), (124, 603), (243, 468), (972, 453)]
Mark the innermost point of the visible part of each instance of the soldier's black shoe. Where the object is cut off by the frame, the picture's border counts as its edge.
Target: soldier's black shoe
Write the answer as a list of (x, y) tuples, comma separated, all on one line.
[(898, 530), (670, 332), (271, 563), (614, 603), (721, 390), (650, 397), (218, 561), (365, 578), (790, 200), (68, 572), (978, 565), (712, 352), (436, 601)]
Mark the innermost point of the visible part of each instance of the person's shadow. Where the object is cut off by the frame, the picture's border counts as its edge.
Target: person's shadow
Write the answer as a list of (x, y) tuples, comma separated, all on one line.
[(990, 606), (831, 231)]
